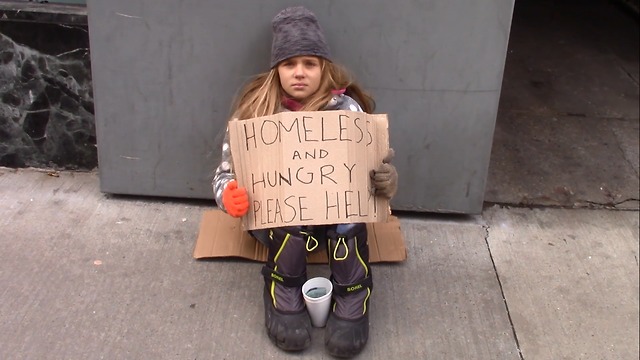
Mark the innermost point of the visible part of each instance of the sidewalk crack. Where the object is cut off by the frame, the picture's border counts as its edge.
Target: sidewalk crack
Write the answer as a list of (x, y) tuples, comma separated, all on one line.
[(504, 299)]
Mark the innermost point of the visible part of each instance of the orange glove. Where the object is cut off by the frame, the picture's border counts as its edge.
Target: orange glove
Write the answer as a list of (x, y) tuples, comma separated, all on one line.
[(235, 199)]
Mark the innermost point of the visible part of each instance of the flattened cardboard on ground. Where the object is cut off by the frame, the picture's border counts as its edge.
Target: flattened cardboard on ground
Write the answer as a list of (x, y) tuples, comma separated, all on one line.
[(222, 236)]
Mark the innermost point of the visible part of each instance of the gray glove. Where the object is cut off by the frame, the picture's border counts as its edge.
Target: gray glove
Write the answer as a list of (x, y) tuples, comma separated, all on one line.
[(385, 177)]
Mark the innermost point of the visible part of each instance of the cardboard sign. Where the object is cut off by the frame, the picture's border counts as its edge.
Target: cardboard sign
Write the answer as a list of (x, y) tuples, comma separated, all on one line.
[(310, 168)]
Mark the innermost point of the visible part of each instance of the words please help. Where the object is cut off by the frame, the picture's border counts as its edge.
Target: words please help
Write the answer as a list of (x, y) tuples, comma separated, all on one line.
[(310, 168)]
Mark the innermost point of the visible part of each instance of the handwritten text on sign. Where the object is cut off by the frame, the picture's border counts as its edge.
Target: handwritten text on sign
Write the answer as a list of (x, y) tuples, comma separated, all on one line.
[(310, 168)]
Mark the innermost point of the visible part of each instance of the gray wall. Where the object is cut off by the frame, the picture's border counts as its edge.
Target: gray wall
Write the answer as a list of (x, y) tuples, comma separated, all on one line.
[(165, 73)]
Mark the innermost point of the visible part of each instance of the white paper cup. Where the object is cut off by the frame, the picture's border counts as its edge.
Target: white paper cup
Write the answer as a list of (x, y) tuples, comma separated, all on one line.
[(317, 297)]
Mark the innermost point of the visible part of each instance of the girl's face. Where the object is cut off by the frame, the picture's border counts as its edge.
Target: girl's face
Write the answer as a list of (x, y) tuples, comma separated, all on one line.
[(300, 76)]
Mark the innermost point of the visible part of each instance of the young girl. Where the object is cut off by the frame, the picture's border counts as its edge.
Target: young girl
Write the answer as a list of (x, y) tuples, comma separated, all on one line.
[(303, 78)]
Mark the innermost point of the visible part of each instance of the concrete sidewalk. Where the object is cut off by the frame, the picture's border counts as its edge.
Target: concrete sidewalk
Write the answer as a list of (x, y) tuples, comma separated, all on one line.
[(90, 276)]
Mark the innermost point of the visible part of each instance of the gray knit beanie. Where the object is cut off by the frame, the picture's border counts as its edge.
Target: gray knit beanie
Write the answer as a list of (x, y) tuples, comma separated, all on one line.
[(296, 32)]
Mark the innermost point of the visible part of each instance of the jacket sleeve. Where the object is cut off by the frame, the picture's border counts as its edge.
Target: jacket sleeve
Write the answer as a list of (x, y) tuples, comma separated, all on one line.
[(224, 172)]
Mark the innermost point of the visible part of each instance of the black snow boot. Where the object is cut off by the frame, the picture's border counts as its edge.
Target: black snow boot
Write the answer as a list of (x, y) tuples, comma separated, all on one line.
[(347, 329), (286, 318)]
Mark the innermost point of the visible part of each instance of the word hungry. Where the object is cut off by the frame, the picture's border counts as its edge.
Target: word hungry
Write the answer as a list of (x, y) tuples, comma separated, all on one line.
[(302, 175)]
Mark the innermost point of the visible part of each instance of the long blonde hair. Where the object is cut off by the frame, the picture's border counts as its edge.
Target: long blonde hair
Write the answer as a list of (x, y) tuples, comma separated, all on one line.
[(263, 94)]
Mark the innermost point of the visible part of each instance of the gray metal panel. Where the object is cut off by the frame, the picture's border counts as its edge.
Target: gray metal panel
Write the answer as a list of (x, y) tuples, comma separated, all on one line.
[(165, 73)]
